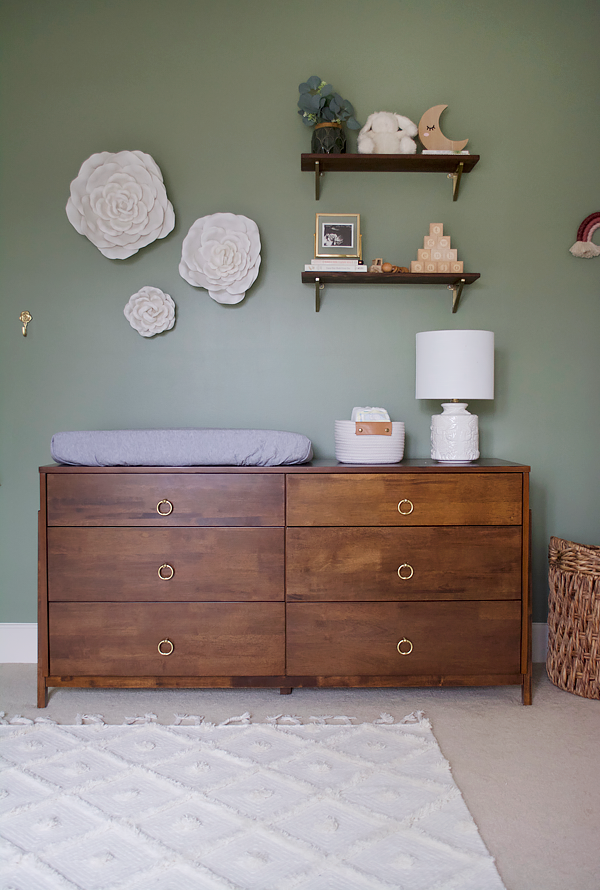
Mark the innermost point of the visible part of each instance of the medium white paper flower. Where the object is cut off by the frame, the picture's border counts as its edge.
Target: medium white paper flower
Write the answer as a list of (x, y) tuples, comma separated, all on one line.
[(119, 202), (150, 311), (221, 252)]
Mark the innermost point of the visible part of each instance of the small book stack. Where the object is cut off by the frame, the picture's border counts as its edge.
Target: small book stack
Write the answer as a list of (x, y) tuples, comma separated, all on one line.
[(436, 254), (335, 264)]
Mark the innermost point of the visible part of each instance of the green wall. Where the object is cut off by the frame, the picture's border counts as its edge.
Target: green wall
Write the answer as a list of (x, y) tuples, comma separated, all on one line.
[(209, 89)]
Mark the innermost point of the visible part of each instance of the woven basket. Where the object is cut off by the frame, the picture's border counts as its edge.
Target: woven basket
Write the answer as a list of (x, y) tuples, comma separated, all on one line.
[(351, 448), (573, 661)]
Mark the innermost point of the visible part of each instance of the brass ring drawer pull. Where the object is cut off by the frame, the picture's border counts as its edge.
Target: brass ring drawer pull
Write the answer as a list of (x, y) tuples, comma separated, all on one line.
[(403, 502), (163, 577), (165, 643), (167, 511), (405, 643), (405, 572)]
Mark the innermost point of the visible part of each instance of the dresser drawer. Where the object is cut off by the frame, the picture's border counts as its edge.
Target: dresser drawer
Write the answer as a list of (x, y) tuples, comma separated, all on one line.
[(404, 499), (165, 564), (208, 639), (402, 564), (361, 639), (165, 499)]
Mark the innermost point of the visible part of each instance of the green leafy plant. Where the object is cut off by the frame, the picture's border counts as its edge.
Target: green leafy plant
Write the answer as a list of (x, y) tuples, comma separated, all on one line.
[(320, 104)]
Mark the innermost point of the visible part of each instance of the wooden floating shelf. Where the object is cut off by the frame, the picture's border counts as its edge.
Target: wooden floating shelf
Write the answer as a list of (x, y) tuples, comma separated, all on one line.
[(454, 282), (454, 165), (417, 163)]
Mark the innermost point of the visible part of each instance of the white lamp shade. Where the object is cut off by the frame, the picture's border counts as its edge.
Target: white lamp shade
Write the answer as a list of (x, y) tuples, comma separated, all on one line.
[(455, 365)]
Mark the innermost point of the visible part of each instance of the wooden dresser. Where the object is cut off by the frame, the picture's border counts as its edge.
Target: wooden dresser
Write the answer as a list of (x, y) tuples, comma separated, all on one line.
[(326, 574)]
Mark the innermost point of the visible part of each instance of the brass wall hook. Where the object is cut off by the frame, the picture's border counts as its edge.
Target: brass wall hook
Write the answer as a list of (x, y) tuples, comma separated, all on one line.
[(25, 317)]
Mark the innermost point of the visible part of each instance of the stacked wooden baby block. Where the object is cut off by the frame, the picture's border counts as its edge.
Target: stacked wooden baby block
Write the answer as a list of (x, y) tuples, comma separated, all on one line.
[(436, 254)]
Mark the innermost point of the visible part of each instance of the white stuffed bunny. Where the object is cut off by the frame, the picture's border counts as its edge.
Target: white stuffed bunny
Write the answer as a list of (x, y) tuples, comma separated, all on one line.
[(387, 133)]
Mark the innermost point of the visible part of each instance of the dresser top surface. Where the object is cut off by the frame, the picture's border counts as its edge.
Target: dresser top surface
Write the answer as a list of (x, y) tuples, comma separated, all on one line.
[(327, 465)]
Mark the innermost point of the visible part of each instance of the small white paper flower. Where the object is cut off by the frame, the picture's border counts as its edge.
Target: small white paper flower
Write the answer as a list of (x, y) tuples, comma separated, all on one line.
[(120, 203), (150, 311), (221, 252)]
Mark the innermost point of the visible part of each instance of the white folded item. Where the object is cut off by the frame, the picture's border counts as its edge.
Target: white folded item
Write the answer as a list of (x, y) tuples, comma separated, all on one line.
[(333, 267), (365, 414)]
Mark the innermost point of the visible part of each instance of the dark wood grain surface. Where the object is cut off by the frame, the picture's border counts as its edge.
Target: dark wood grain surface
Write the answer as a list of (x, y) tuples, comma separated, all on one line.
[(466, 609), (439, 563), (197, 500), (473, 499), (388, 163), (208, 638), (202, 564), (361, 638)]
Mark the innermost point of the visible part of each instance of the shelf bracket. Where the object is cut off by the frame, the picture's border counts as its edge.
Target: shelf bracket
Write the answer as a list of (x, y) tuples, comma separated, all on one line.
[(456, 177), (318, 175), (318, 288), (457, 289)]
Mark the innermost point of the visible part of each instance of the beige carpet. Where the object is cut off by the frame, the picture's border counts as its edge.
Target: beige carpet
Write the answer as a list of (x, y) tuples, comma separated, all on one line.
[(529, 776)]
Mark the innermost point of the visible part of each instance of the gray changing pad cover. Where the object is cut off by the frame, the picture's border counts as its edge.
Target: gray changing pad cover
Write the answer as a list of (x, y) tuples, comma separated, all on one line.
[(180, 448)]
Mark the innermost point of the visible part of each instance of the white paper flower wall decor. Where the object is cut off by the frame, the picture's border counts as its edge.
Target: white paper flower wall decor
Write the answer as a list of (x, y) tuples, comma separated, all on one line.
[(221, 252), (120, 203), (150, 311)]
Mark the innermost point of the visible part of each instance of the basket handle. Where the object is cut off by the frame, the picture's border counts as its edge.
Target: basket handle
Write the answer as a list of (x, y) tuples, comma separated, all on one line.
[(581, 561), (373, 428)]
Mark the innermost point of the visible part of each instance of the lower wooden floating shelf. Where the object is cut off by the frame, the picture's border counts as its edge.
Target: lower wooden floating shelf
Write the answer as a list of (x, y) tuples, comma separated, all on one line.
[(454, 282)]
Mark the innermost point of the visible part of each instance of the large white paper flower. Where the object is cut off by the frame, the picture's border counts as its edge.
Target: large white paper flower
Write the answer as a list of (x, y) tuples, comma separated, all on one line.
[(150, 311), (221, 252), (119, 202)]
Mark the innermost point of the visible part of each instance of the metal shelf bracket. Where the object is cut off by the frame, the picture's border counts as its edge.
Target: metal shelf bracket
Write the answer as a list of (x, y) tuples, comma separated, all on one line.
[(318, 174), (456, 177), (457, 289), (318, 288)]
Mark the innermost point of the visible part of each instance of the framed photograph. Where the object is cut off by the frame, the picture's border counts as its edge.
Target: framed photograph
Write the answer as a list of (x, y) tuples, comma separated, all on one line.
[(338, 235)]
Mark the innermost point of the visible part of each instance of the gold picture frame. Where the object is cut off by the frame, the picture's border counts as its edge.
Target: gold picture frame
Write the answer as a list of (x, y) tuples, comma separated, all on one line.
[(338, 235)]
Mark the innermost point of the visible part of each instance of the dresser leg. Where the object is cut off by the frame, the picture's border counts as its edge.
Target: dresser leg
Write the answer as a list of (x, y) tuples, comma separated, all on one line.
[(285, 690), (527, 694), (42, 692)]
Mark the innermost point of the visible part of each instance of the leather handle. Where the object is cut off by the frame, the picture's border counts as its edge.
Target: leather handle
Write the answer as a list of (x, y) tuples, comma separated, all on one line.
[(373, 428)]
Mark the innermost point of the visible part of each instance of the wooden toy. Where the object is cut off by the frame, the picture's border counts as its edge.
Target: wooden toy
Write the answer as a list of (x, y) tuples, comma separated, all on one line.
[(430, 132), (388, 267), (436, 255)]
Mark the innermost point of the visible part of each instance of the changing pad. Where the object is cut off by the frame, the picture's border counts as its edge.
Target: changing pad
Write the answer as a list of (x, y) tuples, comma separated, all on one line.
[(180, 448)]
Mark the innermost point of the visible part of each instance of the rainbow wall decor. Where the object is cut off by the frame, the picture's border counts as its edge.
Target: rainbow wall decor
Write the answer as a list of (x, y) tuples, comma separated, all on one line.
[(584, 246)]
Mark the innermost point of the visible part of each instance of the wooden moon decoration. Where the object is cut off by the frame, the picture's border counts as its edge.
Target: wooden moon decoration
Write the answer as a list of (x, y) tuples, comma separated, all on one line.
[(431, 135)]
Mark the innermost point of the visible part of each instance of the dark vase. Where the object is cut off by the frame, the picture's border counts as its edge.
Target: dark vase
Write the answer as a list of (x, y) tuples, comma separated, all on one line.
[(328, 139)]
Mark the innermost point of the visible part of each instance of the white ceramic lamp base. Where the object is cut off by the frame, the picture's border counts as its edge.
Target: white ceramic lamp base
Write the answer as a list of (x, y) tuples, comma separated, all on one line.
[(454, 434)]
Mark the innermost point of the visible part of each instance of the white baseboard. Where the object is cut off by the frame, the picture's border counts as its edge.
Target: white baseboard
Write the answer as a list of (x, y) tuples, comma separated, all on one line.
[(18, 643)]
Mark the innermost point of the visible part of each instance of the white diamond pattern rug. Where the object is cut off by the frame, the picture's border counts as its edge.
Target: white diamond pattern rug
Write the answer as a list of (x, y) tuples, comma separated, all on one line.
[(239, 806)]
